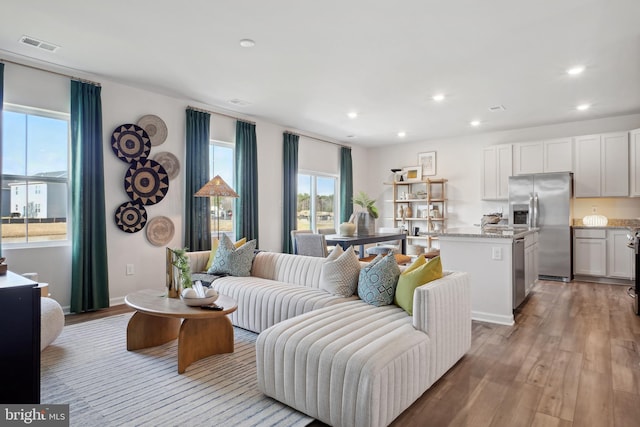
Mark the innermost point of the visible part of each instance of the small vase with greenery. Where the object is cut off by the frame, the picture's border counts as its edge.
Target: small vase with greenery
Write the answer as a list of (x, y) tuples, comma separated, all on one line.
[(365, 221), (178, 271)]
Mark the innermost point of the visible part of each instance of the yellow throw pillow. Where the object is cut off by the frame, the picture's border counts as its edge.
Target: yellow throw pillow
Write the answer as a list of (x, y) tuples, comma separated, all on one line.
[(214, 249), (417, 274)]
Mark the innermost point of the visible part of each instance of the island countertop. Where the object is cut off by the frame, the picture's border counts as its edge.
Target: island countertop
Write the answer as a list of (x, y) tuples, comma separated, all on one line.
[(487, 232)]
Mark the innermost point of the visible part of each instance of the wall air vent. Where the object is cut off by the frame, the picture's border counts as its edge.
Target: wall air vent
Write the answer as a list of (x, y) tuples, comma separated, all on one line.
[(496, 108), (31, 41)]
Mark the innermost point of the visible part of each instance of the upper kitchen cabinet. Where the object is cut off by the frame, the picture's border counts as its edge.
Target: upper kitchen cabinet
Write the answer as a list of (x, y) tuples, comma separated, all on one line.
[(634, 160), (497, 166), (554, 155), (602, 165)]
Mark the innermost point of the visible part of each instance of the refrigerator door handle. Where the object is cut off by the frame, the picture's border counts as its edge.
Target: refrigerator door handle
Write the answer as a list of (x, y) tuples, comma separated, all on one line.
[(531, 212), (535, 210)]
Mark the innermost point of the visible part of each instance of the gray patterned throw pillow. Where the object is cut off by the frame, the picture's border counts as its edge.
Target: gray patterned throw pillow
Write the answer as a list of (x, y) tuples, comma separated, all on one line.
[(378, 280), (232, 261)]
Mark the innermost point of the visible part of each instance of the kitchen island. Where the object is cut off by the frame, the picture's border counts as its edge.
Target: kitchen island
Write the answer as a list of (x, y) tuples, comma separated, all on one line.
[(497, 273)]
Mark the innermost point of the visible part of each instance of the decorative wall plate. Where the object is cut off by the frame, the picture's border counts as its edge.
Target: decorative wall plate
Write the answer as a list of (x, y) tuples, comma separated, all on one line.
[(155, 127), (160, 231), (131, 217), (130, 143), (146, 181), (169, 162)]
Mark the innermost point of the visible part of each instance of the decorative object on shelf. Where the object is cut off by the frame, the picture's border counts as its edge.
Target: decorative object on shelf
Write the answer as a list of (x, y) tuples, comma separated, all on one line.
[(146, 181), (396, 176), (155, 127), (400, 211), (427, 162), (408, 211), (160, 231), (169, 162), (178, 271), (131, 217), (435, 212), (216, 188), (347, 229), (595, 221), (421, 195), (130, 143), (412, 173), (3, 266)]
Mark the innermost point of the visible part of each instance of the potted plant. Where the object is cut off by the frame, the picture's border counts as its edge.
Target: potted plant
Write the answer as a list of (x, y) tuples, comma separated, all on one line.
[(178, 272), (365, 219)]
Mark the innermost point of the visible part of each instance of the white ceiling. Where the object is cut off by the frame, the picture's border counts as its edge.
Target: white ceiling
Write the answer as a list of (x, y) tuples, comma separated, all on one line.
[(314, 61)]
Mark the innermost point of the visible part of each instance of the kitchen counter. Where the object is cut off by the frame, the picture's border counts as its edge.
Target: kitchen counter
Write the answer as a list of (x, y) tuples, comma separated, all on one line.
[(491, 232), (611, 224)]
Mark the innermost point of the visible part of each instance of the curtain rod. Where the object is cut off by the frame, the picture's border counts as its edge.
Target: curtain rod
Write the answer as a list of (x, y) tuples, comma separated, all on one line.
[(317, 139), (202, 110), (33, 67)]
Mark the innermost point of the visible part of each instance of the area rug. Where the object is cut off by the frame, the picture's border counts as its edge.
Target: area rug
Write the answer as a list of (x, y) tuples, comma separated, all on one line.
[(89, 367)]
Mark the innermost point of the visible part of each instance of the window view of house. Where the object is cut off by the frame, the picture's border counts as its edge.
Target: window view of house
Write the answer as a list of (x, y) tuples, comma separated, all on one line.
[(221, 155), (317, 204), (34, 175)]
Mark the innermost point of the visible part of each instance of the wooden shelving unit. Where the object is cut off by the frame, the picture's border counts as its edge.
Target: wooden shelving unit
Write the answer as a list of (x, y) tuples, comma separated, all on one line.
[(434, 202)]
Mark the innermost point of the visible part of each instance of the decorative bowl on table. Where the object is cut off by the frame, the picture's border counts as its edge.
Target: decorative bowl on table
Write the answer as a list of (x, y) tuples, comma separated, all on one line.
[(191, 298)]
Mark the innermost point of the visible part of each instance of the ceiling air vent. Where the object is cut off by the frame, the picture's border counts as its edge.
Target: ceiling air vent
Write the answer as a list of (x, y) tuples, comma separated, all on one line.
[(496, 108), (30, 41), (239, 102)]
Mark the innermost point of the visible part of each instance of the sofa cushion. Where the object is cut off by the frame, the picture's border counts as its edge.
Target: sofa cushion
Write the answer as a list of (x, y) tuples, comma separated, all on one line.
[(340, 272), (378, 280), (417, 274), (229, 260), (214, 249)]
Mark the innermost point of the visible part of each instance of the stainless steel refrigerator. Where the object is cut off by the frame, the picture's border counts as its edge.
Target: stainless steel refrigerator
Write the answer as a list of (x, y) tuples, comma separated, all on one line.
[(545, 201)]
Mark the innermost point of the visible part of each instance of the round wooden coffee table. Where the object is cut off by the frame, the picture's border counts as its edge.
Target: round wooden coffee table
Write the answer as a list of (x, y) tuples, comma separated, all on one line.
[(158, 320)]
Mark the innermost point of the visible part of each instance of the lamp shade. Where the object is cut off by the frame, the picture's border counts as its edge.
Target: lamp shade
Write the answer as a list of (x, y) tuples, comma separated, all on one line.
[(216, 187)]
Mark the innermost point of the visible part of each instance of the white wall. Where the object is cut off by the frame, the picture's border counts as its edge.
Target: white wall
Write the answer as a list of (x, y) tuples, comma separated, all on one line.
[(458, 160), (123, 104)]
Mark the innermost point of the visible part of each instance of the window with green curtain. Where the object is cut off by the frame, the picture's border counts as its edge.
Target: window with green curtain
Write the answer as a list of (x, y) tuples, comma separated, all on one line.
[(197, 229), (289, 189), (346, 184), (89, 270), (246, 179)]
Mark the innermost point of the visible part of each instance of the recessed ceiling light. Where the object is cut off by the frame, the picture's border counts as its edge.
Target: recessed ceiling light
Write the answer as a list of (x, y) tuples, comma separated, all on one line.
[(583, 107), (402, 134), (475, 123), (352, 114), (574, 71), (247, 43), (438, 97)]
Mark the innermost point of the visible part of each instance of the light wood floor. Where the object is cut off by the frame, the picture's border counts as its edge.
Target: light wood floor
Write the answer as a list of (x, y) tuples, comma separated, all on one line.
[(572, 359)]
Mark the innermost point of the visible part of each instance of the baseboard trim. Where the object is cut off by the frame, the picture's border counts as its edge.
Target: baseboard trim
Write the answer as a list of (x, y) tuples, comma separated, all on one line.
[(492, 318)]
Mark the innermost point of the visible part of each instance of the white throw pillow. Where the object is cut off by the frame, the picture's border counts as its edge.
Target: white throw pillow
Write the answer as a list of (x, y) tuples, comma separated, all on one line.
[(339, 275)]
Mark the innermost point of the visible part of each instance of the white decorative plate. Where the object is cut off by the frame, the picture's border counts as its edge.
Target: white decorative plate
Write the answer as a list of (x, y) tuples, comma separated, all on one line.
[(160, 231), (155, 127), (169, 162)]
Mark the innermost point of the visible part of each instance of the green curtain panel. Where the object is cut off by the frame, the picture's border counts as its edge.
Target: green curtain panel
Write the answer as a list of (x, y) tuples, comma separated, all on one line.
[(197, 233), (89, 271), (346, 184), (246, 180), (289, 189), (1, 104)]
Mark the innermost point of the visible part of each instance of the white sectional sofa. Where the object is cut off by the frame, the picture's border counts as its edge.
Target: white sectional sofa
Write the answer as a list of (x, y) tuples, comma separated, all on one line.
[(341, 360)]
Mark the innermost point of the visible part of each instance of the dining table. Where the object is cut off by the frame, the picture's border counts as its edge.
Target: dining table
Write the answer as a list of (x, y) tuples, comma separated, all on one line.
[(346, 241)]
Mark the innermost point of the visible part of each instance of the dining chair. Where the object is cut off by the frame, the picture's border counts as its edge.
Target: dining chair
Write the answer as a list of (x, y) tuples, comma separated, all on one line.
[(311, 244), (293, 238)]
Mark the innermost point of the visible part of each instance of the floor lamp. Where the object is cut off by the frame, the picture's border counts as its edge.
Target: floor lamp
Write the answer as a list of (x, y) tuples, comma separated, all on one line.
[(216, 188)]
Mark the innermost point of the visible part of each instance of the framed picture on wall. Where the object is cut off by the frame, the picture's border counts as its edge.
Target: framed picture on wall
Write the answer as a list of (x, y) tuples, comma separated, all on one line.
[(412, 174), (427, 162)]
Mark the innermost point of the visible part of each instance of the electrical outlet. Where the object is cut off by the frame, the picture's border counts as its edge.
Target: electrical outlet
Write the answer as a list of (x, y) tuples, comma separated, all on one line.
[(496, 253), (130, 270)]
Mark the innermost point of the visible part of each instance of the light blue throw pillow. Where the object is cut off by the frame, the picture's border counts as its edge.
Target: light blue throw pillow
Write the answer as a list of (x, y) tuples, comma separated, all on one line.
[(232, 261), (378, 280)]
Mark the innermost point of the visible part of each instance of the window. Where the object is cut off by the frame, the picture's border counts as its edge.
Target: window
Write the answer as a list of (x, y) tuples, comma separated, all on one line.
[(222, 158), (34, 175), (317, 204)]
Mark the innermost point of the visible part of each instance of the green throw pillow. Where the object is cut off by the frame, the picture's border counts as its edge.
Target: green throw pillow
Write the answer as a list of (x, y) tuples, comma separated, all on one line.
[(378, 280), (232, 261), (417, 274)]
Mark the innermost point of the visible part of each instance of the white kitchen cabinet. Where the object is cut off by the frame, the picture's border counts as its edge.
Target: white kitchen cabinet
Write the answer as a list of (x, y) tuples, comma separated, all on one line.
[(602, 165), (497, 161), (634, 163), (554, 155), (590, 252), (620, 259), (530, 261)]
